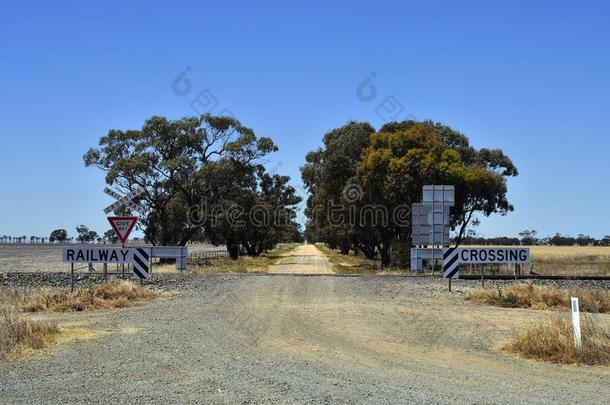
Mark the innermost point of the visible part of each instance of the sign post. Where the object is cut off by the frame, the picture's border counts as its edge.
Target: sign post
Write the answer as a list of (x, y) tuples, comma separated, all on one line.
[(576, 323)]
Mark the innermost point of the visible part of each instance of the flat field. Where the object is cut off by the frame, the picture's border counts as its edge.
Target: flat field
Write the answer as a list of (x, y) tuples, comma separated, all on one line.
[(566, 260)]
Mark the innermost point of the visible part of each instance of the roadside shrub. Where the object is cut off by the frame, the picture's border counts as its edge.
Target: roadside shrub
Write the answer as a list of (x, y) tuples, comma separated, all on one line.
[(18, 333), (116, 294), (553, 341), (542, 297)]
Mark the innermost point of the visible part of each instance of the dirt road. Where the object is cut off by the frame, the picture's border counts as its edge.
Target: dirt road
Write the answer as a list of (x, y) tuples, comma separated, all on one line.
[(299, 339), (305, 259)]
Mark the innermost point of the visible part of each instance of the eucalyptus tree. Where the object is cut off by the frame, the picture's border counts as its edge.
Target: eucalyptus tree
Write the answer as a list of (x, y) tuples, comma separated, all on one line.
[(178, 165)]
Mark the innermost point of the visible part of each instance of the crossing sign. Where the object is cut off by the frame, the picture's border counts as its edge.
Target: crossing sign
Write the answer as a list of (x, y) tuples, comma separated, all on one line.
[(124, 201), (453, 257), (122, 226)]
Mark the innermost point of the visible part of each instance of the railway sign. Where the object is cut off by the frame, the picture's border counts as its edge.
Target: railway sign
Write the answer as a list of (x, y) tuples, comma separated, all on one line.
[(96, 255), (122, 226), (139, 258), (124, 201), (453, 257)]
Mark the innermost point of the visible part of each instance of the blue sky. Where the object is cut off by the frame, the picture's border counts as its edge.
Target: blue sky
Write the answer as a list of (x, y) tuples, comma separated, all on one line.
[(529, 77)]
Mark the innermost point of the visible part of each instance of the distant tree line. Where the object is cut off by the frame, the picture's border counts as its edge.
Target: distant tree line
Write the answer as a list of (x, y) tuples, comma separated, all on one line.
[(22, 239), (84, 235), (529, 238)]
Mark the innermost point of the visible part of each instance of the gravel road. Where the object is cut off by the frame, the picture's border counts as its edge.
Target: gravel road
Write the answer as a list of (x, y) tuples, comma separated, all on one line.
[(305, 259), (326, 339)]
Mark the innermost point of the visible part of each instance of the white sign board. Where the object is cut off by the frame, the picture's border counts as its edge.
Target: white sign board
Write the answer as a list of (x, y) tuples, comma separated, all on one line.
[(453, 257), (494, 255), (96, 255)]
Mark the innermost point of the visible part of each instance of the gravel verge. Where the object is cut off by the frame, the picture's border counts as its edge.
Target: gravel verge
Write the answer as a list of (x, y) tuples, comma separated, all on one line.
[(295, 339)]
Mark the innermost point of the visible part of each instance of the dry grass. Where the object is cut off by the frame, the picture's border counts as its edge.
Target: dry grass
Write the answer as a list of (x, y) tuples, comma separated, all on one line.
[(553, 341), (116, 294), (18, 334), (542, 297), (244, 264), (352, 264), (547, 260), (571, 260), (347, 264)]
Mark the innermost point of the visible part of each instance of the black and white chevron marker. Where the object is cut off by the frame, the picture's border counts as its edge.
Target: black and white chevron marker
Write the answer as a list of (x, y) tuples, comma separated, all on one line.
[(451, 263), (141, 263)]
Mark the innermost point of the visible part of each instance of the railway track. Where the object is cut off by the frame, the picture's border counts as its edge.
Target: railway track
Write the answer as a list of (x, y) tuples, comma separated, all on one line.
[(509, 277)]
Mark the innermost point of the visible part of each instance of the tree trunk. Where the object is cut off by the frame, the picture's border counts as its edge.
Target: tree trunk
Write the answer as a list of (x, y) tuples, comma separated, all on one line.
[(460, 236), (233, 249), (345, 248), (188, 235), (368, 251), (386, 258), (251, 249)]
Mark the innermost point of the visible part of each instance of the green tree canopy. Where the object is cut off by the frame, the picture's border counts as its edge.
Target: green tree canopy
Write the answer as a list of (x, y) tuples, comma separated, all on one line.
[(110, 236), (325, 175), (389, 169), (256, 215), (407, 156), (179, 164), (58, 235), (85, 235)]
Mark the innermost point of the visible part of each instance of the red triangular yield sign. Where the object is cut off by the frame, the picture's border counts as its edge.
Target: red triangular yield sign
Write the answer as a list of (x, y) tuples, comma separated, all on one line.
[(122, 226)]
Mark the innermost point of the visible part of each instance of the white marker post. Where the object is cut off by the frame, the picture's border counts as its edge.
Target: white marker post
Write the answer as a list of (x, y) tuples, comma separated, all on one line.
[(576, 323)]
